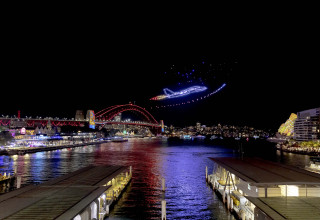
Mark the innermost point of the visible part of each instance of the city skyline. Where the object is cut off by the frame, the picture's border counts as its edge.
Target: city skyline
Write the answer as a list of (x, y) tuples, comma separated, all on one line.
[(270, 80), (248, 99)]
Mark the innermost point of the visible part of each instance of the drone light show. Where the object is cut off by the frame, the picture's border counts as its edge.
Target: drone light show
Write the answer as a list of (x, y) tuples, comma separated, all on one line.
[(169, 94), (193, 100), (192, 82)]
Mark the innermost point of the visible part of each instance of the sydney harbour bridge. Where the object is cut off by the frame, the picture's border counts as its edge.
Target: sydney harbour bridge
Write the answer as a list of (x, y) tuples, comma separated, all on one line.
[(102, 118)]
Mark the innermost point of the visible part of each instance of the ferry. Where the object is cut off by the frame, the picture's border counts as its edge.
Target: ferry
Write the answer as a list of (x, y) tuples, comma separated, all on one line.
[(118, 139), (185, 137), (200, 136), (314, 165), (214, 137)]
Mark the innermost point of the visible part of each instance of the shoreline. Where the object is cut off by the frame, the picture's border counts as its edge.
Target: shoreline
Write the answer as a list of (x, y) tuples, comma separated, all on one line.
[(302, 148), (284, 146), (309, 153)]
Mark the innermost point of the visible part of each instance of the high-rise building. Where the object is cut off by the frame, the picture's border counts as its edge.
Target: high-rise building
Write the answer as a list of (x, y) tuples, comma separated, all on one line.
[(307, 125), (79, 115), (198, 126)]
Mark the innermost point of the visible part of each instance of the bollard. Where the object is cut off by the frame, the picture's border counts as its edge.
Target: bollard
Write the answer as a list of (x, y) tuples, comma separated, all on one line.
[(163, 185), (224, 196), (243, 215), (130, 171), (18, 182), (231, 204), (206, 173), (228, 201), (107, 209), (163, 210)]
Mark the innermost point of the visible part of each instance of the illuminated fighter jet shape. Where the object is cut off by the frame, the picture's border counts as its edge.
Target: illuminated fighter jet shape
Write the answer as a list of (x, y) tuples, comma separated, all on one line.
[(169, 94)]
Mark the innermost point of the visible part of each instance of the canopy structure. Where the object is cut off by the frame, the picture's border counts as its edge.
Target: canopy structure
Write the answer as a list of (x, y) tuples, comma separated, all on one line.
[(261, 172), (271, 190), (60, 198)]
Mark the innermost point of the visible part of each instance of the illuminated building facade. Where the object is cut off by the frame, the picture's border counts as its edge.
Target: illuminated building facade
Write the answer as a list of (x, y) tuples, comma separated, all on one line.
[(287, 128), (91, 118), (162, 126), (307, 125)]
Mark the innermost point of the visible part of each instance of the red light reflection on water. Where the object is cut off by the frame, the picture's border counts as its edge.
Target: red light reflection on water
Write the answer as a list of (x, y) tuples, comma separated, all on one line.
[(146, 167), (182, 166)]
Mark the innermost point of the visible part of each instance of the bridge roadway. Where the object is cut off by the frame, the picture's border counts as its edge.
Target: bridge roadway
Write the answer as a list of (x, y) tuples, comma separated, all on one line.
[(87, 193), (141, 123), (104, 116), (34, 122)]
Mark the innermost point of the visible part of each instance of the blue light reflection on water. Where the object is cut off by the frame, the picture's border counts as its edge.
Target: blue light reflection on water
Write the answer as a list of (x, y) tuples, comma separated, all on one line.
[(187, 195)]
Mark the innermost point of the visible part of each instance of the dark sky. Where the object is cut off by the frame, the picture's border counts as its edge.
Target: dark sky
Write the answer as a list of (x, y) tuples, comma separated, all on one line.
[(57, 68)]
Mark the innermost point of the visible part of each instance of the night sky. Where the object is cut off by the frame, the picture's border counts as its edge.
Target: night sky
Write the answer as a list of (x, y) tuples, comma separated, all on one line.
[(55, 70)]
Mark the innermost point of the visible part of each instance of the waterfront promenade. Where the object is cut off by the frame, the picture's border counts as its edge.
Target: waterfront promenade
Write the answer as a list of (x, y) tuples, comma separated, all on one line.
[(311, 148), (306, 148), (25, 150)]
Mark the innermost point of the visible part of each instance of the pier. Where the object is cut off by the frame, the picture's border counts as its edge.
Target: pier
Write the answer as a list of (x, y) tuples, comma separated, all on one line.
[(26, 150), (6, 180), (88, 193), (253, 188)]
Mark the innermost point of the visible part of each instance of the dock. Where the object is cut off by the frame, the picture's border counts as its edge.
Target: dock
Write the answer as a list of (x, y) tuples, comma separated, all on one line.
[(6, 181), (27, 150), (88, 193), (253, 188), (6, 178)]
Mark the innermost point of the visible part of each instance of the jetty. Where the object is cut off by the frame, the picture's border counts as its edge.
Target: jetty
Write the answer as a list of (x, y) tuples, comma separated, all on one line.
[(252, 188), (6, 180), (88, 193), (27, 150)]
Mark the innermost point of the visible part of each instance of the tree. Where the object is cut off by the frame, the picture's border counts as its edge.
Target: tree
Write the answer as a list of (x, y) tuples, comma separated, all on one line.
[(5, 137)]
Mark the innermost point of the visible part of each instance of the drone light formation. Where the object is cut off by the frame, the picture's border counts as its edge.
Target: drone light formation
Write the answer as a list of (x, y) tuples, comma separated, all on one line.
[(169, 94), (193, 76), (193, 100)]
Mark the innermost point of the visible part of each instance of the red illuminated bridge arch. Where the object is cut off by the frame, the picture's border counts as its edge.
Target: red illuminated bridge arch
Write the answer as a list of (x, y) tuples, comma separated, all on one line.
[(110, 112)]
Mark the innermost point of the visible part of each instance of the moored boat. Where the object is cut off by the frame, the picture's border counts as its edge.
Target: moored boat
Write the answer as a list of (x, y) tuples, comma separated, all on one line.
[(118, 139)]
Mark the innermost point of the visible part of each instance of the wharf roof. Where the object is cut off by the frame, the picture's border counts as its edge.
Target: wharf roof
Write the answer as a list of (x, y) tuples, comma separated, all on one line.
[(60, 198), (290, 207), (261, 172)]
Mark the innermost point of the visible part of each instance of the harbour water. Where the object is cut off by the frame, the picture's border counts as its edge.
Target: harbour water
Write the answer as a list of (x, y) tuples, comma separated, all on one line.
[(181, 164)]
